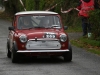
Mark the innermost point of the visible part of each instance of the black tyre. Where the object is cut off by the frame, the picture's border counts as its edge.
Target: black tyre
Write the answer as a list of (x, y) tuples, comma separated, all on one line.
[(68, 55), (8, 51), (14, 55)]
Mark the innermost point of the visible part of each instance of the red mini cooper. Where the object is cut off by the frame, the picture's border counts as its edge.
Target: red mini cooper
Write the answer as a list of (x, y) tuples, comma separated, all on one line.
[(38, 33)]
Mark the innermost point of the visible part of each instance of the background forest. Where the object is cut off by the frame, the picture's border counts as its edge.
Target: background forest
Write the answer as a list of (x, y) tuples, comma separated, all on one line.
[(70, 19)]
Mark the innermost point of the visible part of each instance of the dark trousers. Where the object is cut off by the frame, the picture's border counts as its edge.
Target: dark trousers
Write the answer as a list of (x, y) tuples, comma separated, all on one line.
[(85, 26)]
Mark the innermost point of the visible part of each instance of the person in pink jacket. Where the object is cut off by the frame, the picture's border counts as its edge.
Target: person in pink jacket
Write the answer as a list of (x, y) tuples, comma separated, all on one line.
[(84, 7)]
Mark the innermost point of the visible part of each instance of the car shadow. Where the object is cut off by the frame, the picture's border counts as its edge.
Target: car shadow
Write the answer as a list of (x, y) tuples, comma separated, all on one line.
[(41, 60)]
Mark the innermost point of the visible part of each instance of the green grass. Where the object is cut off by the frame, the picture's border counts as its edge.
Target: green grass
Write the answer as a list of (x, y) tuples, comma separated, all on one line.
[(90, 41), (95, 51), (74, 29), (90, 45)]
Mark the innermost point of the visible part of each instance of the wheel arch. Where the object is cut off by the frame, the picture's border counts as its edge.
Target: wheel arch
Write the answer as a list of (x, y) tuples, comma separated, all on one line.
[(15, 46)]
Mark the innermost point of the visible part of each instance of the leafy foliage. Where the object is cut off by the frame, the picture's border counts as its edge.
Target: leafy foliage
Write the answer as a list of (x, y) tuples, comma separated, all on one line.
[(42, 4), (1, 2), (29, 5), (95, 23)]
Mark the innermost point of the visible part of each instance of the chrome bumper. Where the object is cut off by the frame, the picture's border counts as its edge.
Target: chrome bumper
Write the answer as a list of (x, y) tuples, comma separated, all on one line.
[(30, 51)]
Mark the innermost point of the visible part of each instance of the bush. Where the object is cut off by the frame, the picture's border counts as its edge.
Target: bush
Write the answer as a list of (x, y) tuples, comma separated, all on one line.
[(95, 23)]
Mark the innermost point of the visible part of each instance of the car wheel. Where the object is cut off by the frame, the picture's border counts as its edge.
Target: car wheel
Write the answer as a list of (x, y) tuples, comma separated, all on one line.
[(8, 51), (14, 55), (68, 55)]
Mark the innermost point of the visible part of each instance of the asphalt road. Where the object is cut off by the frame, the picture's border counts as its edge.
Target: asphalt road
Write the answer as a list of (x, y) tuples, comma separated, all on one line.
[(83, 63)]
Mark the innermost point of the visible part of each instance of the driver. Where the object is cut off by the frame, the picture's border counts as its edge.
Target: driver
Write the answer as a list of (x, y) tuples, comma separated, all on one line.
[(27, 23)]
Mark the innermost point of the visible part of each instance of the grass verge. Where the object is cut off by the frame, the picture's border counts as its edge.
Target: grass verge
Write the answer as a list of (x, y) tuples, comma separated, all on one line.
[(90, 45), (74, 29)]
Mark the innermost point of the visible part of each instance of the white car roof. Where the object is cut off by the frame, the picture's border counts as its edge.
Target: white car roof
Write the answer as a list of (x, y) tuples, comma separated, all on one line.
[(35, 12)]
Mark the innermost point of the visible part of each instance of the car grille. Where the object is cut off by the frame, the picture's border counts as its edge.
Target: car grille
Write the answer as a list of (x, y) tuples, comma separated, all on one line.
[(43, 44)]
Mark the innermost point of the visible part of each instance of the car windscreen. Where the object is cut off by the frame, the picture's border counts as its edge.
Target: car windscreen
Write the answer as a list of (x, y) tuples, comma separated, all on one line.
[(38, 21)]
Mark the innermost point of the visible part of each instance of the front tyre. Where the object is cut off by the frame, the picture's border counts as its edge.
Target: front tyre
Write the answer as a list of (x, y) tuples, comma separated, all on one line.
[(8, 51), (68, 55), (14, 55)]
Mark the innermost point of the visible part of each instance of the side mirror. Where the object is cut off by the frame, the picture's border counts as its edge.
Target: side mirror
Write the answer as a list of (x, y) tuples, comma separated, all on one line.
[(10, 28), (65, 27)]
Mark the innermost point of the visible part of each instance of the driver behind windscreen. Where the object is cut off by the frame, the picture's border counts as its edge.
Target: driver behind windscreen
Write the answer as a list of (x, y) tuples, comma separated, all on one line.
[(27, 22)]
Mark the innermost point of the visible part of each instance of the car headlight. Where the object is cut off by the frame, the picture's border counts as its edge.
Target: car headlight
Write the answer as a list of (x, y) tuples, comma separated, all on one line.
[(23, 38), (63, 37)]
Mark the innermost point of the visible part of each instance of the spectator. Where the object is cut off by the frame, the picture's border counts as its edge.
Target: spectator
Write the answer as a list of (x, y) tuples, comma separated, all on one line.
[(84, 7)]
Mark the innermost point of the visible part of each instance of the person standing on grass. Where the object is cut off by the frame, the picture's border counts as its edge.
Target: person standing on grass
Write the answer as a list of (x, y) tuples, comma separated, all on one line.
[(84, 7)]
